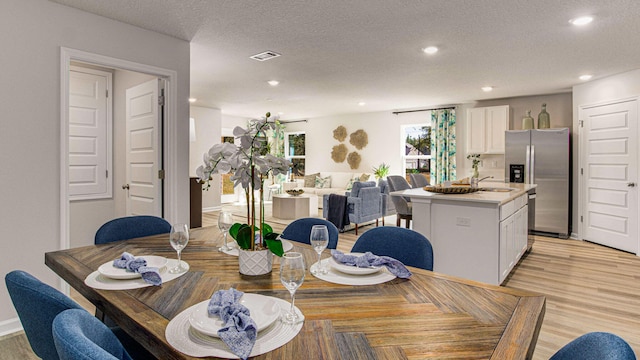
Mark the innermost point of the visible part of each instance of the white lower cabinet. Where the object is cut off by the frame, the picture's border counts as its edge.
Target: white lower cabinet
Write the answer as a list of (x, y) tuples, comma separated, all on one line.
[(513, 239), (477, 240)]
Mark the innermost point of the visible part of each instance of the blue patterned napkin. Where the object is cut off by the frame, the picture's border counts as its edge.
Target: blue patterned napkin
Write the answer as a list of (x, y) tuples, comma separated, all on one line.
[(368, 259), (150, 275), (239, 331)]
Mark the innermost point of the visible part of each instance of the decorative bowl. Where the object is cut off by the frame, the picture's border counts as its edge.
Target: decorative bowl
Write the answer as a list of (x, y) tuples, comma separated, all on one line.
[(295, 192)]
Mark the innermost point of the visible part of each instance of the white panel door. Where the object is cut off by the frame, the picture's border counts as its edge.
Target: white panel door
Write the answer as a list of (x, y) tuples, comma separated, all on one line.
[(610, 170), (144, 152), (89, 134)]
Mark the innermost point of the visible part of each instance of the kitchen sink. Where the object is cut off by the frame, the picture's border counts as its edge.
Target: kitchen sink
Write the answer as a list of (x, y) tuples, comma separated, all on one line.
[(497, 189)]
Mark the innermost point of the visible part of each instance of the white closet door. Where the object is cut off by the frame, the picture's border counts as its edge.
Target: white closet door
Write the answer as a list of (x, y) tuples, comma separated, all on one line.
[(89, 134)]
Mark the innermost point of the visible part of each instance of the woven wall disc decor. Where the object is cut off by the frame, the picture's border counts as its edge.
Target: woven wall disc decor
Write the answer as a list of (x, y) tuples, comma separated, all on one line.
[(353, 159), (359, 139), (339, 153), (340, 133)]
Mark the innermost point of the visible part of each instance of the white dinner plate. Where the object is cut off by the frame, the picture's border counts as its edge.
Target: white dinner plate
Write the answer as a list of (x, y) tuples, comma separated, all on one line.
[(263, 309), (353, 270), (107, 269)]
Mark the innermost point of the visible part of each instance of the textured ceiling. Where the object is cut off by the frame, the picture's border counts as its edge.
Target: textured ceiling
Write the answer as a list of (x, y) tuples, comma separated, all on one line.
[(338, 53)]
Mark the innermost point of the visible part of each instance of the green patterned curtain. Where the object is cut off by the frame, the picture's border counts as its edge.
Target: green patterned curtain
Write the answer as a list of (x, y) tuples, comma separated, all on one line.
[(443, 145)]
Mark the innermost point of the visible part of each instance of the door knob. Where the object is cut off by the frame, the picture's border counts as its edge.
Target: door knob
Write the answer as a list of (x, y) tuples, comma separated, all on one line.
[(631, 184), (125, 187)]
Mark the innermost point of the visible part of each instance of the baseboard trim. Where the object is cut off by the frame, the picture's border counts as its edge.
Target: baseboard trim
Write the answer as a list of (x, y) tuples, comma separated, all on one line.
[(10, 326)]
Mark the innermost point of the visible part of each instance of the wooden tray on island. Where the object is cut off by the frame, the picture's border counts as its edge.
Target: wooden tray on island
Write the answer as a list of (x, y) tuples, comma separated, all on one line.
[(451, 190)]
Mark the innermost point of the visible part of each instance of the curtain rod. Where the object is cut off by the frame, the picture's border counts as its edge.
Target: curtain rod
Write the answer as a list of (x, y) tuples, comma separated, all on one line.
[(410, 111), (291, 121)]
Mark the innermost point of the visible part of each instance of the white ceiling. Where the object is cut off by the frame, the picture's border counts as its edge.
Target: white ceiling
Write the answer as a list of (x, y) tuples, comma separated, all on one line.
[(338, 53)]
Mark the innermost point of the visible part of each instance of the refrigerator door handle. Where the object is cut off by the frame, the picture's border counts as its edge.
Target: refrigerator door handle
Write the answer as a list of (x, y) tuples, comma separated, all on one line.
[(527, 165), (533, 165)]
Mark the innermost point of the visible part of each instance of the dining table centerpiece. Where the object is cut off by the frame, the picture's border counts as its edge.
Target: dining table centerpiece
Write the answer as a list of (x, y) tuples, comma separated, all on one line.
[(251, 164)]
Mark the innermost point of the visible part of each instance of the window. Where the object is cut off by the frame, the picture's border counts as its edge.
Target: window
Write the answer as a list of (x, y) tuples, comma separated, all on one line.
[(294, 145), (416, 141)]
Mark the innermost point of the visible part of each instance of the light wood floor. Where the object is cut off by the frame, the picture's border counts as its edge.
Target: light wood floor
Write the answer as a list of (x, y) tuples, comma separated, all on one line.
[(588, 287)]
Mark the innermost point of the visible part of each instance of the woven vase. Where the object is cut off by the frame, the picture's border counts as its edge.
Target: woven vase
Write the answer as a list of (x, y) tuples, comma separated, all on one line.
[(253, 263)]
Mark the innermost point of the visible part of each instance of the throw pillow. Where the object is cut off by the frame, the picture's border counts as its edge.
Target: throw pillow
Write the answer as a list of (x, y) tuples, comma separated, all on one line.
[(351, 181), (323, 183), (364, 177), (310, 180)]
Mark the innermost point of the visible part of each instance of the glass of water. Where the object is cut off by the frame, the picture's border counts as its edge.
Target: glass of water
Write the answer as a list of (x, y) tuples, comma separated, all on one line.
[(179, 237), (292, 270), (319, 239)]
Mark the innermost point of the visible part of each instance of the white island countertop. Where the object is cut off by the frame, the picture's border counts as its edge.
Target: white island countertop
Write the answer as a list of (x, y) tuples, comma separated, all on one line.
[(497, 197), (478, 236)]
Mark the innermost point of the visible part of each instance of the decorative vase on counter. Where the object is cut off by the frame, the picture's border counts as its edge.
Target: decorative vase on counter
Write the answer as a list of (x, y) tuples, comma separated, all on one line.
[(543, 118), (527, 121)]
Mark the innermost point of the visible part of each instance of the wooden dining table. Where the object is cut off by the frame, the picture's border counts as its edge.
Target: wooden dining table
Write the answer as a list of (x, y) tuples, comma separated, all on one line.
[(429, 315)]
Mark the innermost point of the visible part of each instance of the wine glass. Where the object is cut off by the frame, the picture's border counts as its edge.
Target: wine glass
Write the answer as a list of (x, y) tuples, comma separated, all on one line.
[(292, 270), (319, 239), (225, 220), (179, 237)]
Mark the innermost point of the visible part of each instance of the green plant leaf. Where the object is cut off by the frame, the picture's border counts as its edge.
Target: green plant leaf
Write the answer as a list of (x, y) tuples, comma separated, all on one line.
[(274, 244), (233, 230), (266, 229), (244, 238)]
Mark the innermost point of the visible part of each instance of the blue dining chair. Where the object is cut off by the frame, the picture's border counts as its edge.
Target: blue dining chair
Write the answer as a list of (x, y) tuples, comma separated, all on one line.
[(299, 230), (79, 335), (131, 227), (37, 305), (406, 245), (596, 346)]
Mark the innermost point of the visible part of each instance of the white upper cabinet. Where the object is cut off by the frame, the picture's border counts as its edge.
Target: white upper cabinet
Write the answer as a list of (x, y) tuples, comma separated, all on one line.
[(485, 129)]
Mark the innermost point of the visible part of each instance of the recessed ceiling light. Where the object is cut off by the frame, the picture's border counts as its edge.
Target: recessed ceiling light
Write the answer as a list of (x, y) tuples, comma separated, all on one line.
[(487, 88), (585, 77), (362, 103), (273, 82), (430, 50), (192, 100), (280, 113), (581, 21)]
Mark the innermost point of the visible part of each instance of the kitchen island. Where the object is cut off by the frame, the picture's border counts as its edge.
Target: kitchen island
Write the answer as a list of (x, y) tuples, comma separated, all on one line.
[(478, 236)]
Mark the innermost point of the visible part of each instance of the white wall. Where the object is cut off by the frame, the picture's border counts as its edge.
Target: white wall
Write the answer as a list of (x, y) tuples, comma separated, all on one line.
[(32, 32), (208, 132), (383, 130), (615, 87)]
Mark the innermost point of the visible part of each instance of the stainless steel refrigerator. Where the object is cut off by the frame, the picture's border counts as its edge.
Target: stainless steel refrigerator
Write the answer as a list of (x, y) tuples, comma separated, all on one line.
[(543, 157)]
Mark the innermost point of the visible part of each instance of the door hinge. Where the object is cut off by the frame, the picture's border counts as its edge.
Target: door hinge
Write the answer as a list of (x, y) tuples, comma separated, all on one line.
[(581, 123), (581, 219), (161, 100), (161, 174), (581, 171), (107, 174), (107, 93)]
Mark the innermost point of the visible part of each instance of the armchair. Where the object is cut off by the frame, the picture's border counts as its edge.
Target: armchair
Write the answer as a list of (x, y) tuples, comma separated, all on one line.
[(387, 205), (364, 203), (418, 180)]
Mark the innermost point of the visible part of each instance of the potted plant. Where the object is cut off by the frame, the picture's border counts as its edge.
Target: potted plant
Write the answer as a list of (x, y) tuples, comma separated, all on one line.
[(381, 171), (475, 160), (251, 164)]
